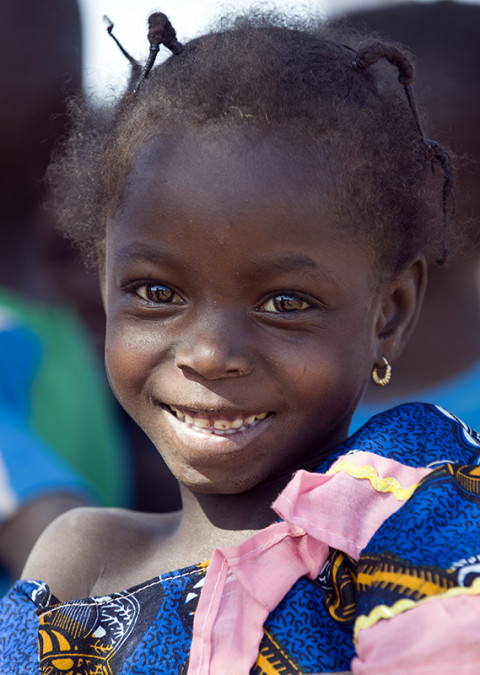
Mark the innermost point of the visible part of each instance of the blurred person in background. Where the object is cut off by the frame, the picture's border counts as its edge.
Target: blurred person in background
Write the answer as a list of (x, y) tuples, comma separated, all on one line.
[(441, 363), (60, 442)]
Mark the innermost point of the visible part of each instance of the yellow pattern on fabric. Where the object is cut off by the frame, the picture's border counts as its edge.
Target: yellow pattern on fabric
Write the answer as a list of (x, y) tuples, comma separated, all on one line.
[(385, 612), (467, 477), (340, 600), (412, 582), (273, 659), (59, 653), (367, 472)]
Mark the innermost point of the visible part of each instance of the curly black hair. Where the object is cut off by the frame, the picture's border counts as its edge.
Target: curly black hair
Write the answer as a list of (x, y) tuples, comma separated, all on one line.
[(345, 97)]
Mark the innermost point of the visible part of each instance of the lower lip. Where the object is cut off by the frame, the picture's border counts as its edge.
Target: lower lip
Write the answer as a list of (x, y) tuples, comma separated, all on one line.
[(205, 441)]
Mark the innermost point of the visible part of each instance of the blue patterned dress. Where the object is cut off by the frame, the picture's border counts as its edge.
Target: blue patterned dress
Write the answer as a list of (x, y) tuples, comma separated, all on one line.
[(429, 546)]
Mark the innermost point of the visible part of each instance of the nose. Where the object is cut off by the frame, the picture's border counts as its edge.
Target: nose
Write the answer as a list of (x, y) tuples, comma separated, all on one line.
[(215, 348)]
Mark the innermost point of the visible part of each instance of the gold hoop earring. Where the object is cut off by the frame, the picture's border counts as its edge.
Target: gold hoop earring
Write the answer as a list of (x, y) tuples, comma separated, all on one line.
[(382, 381)]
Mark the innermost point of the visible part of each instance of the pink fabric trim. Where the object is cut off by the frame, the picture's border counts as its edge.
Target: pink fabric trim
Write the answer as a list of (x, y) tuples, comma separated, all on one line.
[(342, 511), (440, 636), (240, 591), (245, 583)]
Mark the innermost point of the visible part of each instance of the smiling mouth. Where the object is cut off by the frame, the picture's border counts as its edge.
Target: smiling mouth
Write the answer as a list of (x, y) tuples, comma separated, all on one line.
[(209, 424)]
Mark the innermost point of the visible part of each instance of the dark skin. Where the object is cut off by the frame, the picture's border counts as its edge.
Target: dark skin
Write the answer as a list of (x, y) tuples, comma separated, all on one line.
[(242, 328)]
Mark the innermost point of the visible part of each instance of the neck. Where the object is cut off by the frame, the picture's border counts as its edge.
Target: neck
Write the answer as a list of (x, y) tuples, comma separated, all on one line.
[(231, 512), (213, 520)]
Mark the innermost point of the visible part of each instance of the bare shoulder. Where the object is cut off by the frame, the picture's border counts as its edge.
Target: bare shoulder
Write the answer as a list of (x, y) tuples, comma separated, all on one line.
[(88, 550)]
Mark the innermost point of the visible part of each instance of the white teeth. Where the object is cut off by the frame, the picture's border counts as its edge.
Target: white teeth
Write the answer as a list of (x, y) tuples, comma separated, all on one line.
[(202, 422), (221, 424), (217, 426)]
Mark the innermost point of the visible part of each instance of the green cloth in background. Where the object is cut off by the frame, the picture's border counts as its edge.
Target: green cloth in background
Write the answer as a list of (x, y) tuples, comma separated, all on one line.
[(69, 404)]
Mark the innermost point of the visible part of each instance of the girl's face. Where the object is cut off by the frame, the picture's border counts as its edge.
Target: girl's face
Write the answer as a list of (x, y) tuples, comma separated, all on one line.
[(241, 326)]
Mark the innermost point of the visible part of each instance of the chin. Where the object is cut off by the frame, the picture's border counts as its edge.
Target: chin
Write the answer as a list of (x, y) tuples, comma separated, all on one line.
[(202, 484)]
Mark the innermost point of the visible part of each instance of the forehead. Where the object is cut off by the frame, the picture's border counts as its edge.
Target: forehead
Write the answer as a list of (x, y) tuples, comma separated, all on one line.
[(236, 165), (233, 205), (229, 174), (209, 187)]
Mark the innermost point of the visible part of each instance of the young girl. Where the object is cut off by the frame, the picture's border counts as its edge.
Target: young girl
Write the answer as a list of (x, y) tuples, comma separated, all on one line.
[(261, 208)]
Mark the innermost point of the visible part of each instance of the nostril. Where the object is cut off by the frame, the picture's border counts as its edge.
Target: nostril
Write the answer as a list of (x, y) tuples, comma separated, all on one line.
[(235, 372), (212, 363)]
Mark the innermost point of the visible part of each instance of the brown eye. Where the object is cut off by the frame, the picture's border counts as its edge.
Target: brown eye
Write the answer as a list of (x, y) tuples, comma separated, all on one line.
[(285, 303), (158, 293)]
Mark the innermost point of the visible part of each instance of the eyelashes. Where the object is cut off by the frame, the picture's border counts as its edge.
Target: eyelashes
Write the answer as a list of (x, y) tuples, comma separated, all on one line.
[(284, 303), (158, 294), (280, 303)]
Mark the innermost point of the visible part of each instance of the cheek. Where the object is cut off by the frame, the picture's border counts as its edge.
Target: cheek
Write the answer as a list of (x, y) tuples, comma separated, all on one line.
[(327, 375), (129, 358)]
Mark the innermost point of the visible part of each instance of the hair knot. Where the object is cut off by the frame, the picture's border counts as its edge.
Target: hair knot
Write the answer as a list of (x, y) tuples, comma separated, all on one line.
[(356, 63), (379, 50), (161, 32)]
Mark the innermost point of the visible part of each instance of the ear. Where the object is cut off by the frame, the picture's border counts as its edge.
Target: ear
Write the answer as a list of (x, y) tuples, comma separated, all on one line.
[(401, 302)]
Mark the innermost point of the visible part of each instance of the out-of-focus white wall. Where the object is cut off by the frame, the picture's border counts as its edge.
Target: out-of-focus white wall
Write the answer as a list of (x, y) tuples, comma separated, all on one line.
[(106, 70)]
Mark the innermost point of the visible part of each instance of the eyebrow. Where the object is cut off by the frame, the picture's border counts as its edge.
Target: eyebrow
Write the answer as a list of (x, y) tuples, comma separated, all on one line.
[(289, 263), (138, 251), (255, 268)]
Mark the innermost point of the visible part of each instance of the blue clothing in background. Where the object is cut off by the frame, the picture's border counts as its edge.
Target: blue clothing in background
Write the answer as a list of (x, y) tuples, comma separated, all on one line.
[(460, 395)]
